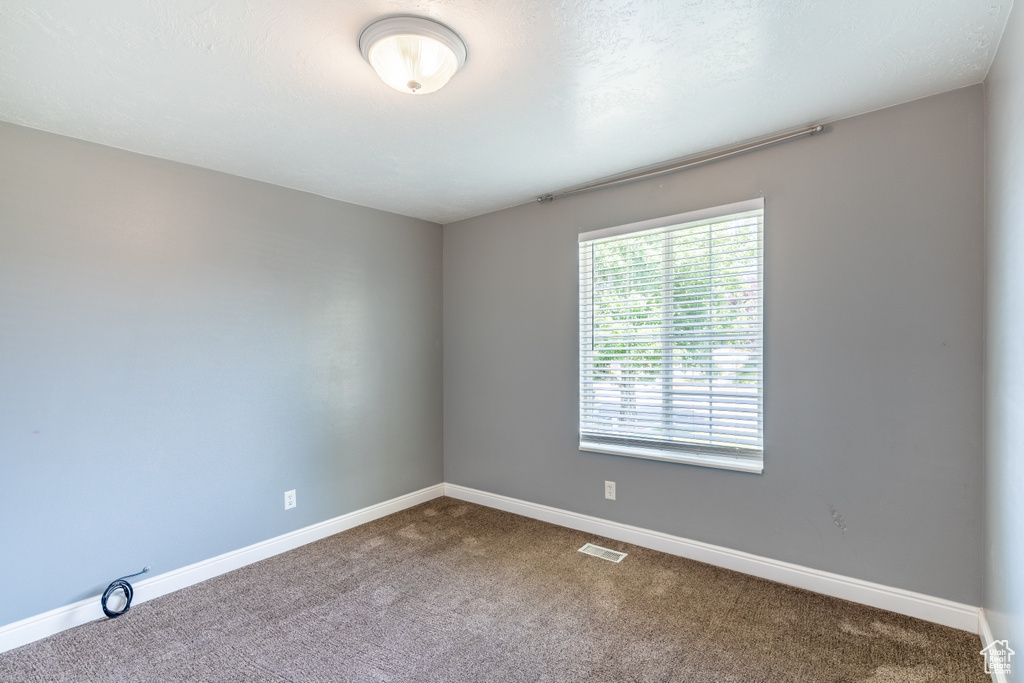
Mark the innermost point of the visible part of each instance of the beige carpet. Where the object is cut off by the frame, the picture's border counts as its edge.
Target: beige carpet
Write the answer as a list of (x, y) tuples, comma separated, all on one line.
[(450, 591)]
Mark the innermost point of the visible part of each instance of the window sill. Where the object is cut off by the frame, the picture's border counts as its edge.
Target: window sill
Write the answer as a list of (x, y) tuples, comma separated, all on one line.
[(703, 460)]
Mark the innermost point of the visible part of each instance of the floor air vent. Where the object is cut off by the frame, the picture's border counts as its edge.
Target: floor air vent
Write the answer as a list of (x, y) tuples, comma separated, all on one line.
[(603, 553)]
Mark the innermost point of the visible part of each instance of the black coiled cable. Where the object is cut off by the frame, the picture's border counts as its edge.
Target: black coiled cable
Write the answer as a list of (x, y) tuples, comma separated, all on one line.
[(124, 587)]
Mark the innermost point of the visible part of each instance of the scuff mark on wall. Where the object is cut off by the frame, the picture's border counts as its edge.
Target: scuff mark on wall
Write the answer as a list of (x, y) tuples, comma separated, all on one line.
[(838, 520)]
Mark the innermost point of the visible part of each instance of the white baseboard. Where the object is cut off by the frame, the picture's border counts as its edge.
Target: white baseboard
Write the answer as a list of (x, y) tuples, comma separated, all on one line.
[(985, 631), (937, 610), (56, 620)]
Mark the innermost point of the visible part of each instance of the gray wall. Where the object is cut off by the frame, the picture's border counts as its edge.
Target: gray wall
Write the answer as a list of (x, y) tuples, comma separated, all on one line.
[(178, 347), (874, 336), (1004, 388)]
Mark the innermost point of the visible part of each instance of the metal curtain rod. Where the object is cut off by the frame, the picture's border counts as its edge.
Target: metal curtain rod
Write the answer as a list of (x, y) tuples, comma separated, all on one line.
[(685, 162)]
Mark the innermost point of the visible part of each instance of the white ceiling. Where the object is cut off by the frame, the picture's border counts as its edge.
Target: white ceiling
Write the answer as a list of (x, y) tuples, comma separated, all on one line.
[(555, 92)]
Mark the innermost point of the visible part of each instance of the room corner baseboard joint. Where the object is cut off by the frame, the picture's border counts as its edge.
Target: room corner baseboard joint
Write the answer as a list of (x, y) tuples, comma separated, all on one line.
[(985, 632)]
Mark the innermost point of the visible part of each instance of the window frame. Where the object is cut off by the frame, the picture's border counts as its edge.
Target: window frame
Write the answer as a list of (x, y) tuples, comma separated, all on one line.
[(715, 457)]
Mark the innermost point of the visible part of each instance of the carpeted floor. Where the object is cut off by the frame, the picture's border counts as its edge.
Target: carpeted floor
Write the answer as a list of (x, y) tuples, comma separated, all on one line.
[(451, 591)]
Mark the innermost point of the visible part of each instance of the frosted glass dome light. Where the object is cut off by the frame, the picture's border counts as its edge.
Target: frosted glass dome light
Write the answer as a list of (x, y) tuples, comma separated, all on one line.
[(412, 54)]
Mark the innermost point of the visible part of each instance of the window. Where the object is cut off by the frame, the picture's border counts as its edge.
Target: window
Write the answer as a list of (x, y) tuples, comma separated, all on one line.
[(671, 338)]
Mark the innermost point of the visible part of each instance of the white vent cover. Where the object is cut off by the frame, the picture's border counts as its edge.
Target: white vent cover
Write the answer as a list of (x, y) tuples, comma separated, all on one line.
[(603, 553)]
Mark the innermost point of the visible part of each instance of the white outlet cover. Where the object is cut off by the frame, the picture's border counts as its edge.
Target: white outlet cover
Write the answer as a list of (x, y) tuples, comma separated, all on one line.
[(609, 490), (289, 499)]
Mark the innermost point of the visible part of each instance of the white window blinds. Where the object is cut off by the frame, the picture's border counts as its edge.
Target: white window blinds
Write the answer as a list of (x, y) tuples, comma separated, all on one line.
[(671, 338)]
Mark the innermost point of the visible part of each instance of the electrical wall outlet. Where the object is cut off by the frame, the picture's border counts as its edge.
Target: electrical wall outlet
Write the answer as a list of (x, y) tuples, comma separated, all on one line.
[(609, 490), (289, 499)]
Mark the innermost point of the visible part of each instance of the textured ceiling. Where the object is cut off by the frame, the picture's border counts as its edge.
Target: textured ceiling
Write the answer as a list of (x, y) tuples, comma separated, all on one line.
[(554, 93)]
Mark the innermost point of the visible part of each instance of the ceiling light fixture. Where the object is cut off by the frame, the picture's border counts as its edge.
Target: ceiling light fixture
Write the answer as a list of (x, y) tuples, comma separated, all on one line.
[(412, 54)]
